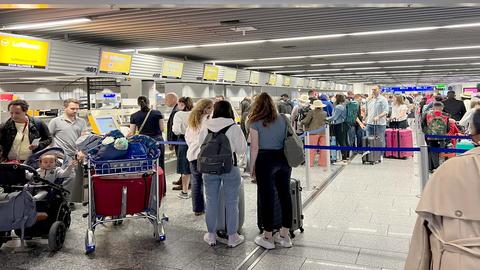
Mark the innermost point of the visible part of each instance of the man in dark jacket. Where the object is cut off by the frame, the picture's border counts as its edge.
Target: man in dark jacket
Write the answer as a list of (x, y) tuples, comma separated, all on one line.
[(454, 107), (21, 135), (285, 105), (171, 100)]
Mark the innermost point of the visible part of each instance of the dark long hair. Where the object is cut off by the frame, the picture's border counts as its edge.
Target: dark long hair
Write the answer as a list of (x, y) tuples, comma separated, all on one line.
[(339, 99), (223, 109), (144, 103), (188, 103), (264, 109)]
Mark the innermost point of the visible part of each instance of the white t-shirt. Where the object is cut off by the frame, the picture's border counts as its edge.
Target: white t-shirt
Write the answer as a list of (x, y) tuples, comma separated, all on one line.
[(20, 147), (180, 122), (397, 110)]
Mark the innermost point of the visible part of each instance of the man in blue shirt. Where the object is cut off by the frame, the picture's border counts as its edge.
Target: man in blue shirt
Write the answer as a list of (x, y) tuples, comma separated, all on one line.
[(376, 115), (329, 106)]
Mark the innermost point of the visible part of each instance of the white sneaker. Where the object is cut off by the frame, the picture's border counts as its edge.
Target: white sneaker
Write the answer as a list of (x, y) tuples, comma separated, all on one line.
[(235, 240), (285, 242), (261, 241), (210, 238), (182, 195)]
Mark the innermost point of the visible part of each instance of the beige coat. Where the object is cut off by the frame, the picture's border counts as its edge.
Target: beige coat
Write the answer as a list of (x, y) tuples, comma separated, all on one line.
[(447, 232), (315, 119)]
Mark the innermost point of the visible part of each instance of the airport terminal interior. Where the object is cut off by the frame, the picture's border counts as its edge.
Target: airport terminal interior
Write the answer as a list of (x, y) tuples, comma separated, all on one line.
[(401, 67)]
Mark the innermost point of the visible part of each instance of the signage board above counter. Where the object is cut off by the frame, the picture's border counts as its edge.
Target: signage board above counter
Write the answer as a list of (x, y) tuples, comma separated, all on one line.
[(422, 88), (272, 80), (229, 75), (210, 73), (115, 63), (254, 77), (22, 52), (286, 80), (172, 69)]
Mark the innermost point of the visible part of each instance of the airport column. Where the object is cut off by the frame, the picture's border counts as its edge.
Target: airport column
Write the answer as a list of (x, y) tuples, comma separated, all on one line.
[(149, 90)]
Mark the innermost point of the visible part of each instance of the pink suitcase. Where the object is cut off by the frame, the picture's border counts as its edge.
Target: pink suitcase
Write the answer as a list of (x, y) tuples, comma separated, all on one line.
[(402, 138), (389, 141)]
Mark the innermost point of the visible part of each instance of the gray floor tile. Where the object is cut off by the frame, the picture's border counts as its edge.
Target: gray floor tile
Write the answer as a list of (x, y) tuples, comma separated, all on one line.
[(279, 262), (383, 259), (328, 265), (375, 242), (317, 251)]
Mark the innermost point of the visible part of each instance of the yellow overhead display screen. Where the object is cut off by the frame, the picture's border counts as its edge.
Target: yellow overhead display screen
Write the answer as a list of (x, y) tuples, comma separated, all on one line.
[(272, 80), (300, 82), (286, 81), (115, 63), (23, 52), (254, 77), (172, 69), (230, 75), (210, 73)]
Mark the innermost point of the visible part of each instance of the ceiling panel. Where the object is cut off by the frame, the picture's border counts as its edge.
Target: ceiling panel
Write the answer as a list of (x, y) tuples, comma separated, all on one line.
[(165, 27)]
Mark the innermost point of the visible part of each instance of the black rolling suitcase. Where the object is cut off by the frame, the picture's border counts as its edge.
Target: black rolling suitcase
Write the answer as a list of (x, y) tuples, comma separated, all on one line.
[(297, 212), (371, 157)]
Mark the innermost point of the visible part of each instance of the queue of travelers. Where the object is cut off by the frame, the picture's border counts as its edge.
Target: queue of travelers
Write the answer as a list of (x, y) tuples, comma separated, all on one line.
[(260, 136)]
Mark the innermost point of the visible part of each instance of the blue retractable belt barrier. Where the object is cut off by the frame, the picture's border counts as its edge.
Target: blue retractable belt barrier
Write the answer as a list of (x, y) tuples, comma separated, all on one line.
[(172, 142), (383, 149), (447, 137)]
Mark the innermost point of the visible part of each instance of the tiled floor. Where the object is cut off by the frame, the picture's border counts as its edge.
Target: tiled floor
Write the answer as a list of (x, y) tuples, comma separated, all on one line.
[(131, 246), (363, 220)]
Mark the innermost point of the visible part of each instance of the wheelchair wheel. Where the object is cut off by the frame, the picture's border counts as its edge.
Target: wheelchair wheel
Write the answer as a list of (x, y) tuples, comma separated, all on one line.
[(56, 236)]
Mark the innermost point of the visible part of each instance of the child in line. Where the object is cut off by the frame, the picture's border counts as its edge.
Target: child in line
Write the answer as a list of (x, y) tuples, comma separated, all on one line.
[(49, 171)]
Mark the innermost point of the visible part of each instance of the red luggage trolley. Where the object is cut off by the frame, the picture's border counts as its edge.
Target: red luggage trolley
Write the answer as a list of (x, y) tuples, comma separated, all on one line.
[(124, 189)]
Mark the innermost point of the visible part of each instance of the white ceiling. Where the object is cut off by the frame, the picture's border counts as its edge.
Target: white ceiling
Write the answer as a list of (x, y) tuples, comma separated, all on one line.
[(170, 27)]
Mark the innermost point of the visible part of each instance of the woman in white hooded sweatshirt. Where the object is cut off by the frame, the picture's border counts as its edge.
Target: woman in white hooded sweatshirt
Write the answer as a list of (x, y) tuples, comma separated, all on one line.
[(223, 117), (200, 113)]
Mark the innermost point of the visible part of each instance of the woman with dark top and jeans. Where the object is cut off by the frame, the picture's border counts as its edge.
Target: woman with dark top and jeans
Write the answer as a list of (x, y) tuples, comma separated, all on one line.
[(180, 123), (340, 128), (152, 125), (200, 113), (271, 169)]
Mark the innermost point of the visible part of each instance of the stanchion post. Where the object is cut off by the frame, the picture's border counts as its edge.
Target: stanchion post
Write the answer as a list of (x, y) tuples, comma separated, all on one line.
[(423, 166), (327, 142), (307, 161)]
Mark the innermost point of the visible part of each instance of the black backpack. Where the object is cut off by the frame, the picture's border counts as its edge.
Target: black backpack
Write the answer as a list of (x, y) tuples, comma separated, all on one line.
[(216, 155), (302, 113)]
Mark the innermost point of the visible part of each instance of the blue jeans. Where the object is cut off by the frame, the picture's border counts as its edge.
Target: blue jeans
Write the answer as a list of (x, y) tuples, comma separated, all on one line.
[(359, 134), (378, 131), (231, 187), (351, 135), (198, 202)]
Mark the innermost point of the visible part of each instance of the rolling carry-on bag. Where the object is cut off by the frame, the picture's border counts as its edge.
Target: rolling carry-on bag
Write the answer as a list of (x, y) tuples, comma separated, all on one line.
[(297, 210), (389, 141), (222, 221), (402, 138), (371, 157)]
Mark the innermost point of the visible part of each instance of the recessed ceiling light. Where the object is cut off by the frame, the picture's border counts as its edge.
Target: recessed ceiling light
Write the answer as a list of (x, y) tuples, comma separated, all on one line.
[(352, 63), (394, 31), (327, 36), (41, 25)]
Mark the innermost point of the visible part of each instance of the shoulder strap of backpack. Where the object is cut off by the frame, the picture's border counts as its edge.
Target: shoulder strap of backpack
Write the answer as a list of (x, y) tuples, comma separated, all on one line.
[(225, 129)]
